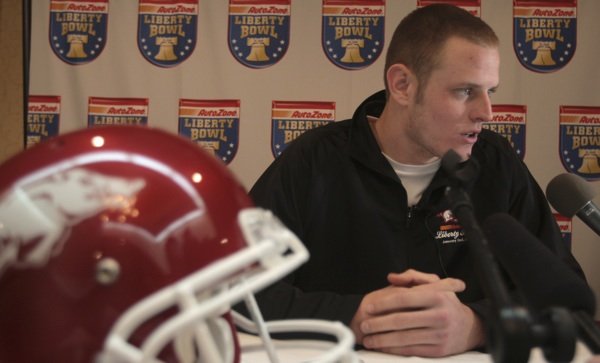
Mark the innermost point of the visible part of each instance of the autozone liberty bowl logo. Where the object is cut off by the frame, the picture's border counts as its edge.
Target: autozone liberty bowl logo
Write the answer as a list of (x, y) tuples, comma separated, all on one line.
[(78, 29), (545, 37), (353, 34), (580, 140), (510, 122), (212, 124), (290, 119), (167, 31), (259, 31)]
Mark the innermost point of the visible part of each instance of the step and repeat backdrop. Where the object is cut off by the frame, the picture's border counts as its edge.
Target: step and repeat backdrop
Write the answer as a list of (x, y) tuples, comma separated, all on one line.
[(244, 78)]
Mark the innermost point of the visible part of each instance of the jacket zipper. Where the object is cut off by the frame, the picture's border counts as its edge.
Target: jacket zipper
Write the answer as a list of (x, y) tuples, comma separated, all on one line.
[(409, 215)]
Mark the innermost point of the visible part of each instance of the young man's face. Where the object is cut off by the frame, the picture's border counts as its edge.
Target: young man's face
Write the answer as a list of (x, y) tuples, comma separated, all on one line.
[(455, 101)]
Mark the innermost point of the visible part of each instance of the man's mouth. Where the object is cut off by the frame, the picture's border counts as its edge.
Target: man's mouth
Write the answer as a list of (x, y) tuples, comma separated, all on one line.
[(471, 136)]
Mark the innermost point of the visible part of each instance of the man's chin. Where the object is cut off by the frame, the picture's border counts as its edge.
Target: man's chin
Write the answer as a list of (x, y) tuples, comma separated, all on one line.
[(464, 153)]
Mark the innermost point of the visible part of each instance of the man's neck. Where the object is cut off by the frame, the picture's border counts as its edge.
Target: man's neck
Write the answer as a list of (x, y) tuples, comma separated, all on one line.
[(395, 142)]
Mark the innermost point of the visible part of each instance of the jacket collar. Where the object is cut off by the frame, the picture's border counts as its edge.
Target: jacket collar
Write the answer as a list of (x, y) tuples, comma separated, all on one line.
[(363, 146)]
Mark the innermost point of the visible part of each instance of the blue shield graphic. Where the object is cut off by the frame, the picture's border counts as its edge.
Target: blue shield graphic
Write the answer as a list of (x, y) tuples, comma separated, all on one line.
[(545, 34), (510, 121), (167, 30), (78, 29), (290, 119), (580, 140), (104, 111), (259, 31), (43, 118), (212, 124), (353, 32)]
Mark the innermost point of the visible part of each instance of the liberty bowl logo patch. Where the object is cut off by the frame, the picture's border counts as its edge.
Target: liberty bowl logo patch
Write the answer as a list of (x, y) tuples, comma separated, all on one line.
[(117, 111), (78, 29), (259, 31), (510, 122), (291, 119), (167, 30), (353, 32), (212, 124), (580, 140), (545, 33), (43, 117)]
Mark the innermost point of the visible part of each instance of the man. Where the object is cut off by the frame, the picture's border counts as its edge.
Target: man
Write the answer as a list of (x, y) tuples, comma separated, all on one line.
[(366, 196)]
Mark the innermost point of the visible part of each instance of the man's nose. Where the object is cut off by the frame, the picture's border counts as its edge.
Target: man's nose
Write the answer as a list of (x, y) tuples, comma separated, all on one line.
[(482, 111)]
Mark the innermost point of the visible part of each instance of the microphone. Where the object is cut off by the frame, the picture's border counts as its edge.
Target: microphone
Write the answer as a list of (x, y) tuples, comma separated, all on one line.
[(571, 195), (543, 280), (509, 337)]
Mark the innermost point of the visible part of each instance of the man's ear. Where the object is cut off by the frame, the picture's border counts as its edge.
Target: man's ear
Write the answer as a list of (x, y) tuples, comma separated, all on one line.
[(401, 83)]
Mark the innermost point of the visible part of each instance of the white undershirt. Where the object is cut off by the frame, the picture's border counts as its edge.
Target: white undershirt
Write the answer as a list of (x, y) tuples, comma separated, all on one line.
[(415, 178)]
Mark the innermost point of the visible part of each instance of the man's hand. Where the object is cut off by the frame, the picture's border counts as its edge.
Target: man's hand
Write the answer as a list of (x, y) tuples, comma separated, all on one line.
[(418, 314)]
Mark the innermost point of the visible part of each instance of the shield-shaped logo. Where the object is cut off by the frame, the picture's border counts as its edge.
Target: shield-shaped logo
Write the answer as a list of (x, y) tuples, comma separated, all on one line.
[(353, 32), (259, 31), (78, 29), (290, 119), (104, 111), (167, 30), (212, 124), (510, 122), (580, 140), (545, 33), (43, 118)]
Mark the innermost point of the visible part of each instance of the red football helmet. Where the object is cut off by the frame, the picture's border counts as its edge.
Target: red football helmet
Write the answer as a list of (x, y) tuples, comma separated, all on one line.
[(130, 244)]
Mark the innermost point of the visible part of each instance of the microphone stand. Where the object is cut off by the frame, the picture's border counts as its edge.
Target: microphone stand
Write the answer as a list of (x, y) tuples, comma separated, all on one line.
[(511, 332)]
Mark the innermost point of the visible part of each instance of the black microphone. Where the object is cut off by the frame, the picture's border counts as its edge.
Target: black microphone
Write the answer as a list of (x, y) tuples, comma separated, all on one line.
[(571, 195), (509, 337), (543, 280)]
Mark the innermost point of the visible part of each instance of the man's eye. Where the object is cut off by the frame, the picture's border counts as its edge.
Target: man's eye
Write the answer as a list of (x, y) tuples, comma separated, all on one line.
[(466, 91)]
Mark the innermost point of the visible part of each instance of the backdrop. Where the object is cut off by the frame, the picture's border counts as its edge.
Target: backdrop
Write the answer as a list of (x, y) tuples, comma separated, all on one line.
[(243, 78)]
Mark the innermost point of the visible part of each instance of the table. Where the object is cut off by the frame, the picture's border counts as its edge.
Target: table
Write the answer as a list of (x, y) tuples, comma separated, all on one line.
[(292, 351)]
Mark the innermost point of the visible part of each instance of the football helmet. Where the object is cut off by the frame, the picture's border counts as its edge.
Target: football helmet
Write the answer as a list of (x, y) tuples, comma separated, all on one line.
[(131, 244)]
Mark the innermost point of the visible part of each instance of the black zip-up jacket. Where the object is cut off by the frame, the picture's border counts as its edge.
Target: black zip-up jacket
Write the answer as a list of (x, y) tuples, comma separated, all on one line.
[(333, 188)]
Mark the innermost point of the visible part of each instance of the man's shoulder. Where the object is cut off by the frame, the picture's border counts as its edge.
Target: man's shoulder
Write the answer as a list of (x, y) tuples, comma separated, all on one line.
[(333, 134), (490, 142)]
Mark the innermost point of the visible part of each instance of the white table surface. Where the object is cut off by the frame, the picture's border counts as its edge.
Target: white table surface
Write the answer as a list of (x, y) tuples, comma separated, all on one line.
[(292, 351)]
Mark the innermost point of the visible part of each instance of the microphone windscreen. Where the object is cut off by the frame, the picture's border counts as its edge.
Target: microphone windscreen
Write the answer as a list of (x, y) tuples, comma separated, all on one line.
[(450, 161), (568, 193), (540, 276)]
